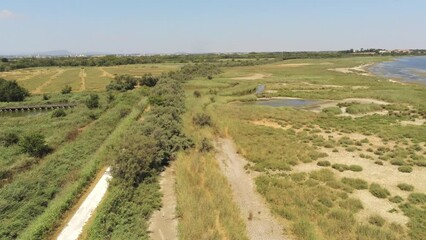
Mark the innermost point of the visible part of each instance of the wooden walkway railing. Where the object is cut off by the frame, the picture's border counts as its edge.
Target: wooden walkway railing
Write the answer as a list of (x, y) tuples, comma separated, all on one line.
[(37, 107)]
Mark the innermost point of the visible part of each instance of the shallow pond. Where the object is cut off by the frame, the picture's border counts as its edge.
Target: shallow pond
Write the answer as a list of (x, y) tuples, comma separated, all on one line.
[(287, 102)]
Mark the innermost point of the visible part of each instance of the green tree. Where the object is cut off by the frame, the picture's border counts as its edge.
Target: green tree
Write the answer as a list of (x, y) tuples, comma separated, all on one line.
[(10, 91), (35, 145), (93, 101)]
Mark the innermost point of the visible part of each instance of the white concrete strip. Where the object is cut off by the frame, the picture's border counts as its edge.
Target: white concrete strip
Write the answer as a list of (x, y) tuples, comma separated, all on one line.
[(75, 226)]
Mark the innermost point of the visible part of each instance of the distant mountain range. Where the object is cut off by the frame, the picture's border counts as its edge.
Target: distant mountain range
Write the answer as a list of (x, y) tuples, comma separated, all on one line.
[(55, 53)]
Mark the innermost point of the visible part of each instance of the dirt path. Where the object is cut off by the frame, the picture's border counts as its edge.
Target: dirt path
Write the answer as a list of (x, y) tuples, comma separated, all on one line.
[(259, 221), (164, 222), (82, 76), (75, 226), (38, 90), (106, 74)]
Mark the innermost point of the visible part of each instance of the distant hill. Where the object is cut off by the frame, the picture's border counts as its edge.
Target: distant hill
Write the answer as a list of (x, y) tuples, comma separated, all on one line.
[(54, 53)]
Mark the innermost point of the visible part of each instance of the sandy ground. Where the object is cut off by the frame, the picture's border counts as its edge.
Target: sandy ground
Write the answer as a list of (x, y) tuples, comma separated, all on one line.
[(82, 76), (75, 226), (387, 176), (332, 103), (253, 77), (416, 122), (360, 70), (163, 224), (260, 223)]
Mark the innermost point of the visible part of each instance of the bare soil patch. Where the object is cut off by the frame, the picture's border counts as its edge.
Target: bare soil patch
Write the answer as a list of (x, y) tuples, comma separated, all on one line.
[(416, 122), (163, 224), (258, 218), (360, 70), (82, 76)]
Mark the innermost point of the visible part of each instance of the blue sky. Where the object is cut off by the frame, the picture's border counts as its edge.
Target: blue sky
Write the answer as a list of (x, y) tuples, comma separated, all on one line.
[(168, 26)]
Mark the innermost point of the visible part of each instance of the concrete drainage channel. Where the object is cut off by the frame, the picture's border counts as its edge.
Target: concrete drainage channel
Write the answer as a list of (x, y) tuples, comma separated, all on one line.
[(74, 227)]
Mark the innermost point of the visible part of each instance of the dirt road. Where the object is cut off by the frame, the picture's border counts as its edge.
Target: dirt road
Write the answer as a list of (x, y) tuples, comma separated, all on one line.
[(75, 226), (259, 221), (164, 222)]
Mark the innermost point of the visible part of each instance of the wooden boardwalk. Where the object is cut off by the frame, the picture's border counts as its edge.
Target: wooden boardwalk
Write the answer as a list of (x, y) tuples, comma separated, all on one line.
[(37, 107)]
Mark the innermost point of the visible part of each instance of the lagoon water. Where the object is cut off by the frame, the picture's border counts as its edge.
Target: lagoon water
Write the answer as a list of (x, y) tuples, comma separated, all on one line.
[(286, 102), (410, 69)]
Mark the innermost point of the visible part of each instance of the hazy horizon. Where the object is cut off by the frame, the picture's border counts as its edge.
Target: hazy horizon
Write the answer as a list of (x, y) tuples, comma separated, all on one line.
[(165, 26)]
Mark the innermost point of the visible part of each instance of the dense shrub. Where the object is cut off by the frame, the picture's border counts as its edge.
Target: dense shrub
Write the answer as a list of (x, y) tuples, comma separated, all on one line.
[(92, 101), (396, 199), (417, 198), (35, 145), (405, 169), (378, 191), (376, 220), (197, 94), (148, 80), (332, 110), (10, 91), (406, 187), (324, 163), (205, 145), (58, 113), (202, 119), (66, 90), (122, 83), (9, 139), (355, 168), (355, 183)]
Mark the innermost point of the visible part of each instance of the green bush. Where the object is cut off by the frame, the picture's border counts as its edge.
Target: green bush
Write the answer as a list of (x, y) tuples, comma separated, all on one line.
[(92, 101), (376, 220), (417, 198), (205, 145), (362, 108), (9, 139), (35, 145), (122, 83), (58, 113), (46, 97), (202, 119), (355, 168), (378, 191), (405, 169), (323, 163), (396, 199), (406, 187), (355, 183), (332, 110), (340, 167), (148, 80), (397, 162), (66, 90), (197, 94)]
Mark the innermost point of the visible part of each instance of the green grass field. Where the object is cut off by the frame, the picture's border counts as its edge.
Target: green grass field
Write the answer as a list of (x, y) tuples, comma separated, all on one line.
[(284, 145)]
